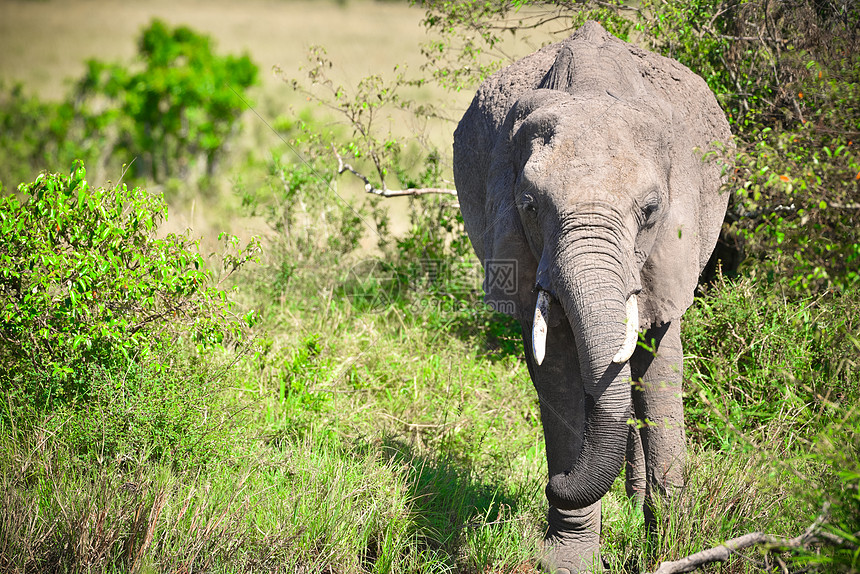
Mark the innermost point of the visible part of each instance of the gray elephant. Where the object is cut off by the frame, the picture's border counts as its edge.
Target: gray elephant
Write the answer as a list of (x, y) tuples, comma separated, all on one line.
[(585, 194)]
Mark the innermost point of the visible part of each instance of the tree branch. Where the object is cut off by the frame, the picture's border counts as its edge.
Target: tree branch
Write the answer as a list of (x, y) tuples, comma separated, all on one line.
[(722, 552), (385, 192), (536, 21)]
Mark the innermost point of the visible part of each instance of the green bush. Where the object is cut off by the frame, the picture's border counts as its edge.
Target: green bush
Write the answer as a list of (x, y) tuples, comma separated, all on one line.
[(182, 107), (37, 135), (747, 345), (171, 115), (85, 283), (797, 203)]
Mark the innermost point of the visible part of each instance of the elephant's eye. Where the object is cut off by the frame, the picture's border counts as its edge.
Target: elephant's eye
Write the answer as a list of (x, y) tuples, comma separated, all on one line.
[(650, 206), (528, 204)]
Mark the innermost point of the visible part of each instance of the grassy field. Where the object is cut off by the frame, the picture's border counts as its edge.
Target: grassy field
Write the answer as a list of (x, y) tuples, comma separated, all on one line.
[(380, 418), (45, 44), (407, 438)]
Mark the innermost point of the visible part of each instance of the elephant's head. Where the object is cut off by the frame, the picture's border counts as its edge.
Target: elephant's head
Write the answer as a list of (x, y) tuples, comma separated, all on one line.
[(597, 200)]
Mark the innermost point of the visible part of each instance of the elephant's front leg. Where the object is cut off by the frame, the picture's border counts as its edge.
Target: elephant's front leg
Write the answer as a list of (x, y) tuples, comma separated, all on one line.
[(572, 540), (659, 407)]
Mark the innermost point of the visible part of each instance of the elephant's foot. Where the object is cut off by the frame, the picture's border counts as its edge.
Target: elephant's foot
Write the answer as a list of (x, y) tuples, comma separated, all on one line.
[(559, 556), (572, 543)]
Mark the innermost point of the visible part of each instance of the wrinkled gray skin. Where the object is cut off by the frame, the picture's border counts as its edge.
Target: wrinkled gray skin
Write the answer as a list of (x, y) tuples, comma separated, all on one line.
[(583, 164)]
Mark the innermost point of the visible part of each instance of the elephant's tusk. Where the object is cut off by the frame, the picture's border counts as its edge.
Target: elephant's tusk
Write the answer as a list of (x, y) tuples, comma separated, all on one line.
[(632, 333), (539, 328)]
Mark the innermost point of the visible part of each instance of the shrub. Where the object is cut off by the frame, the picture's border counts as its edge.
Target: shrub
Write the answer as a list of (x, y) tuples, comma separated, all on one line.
[(797, 199), (745, 344), (182, 107), (175, 112), (86, 284)]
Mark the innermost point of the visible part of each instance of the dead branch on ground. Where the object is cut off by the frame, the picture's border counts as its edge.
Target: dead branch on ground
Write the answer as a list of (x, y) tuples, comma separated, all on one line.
[(812, 535)]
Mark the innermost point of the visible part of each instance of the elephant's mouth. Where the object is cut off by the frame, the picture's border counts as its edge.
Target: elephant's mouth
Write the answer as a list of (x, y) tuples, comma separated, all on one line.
[(540, 328)]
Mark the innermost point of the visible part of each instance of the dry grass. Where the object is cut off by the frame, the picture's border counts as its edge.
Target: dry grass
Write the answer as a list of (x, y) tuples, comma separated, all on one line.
[(43, 44)]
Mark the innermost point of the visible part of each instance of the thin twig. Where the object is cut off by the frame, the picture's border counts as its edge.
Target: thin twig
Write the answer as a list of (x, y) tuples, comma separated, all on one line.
[(385, 192)]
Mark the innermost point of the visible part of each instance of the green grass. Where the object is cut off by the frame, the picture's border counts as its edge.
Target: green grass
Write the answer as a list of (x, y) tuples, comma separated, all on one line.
[(269, 509), (767, 363), (407, 439), (384, 420), (278, 504)]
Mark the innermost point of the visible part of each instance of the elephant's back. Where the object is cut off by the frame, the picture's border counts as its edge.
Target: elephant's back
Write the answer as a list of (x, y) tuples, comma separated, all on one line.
[(687, 93), (705, 130)]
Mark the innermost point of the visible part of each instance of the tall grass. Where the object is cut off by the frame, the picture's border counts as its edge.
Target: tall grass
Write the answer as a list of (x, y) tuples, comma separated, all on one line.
[(406, 438), (385, 421)]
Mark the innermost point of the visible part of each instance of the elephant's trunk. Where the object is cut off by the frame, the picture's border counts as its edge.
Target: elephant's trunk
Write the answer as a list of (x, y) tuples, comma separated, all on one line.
[(540, 328), (594, 297)]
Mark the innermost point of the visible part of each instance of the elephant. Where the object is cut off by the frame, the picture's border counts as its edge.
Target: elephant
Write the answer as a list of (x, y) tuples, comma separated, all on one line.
[(589, 191)]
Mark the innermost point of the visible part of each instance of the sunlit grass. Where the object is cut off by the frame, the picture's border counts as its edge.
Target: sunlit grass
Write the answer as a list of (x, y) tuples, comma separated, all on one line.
[(371, 443), (406, 436)]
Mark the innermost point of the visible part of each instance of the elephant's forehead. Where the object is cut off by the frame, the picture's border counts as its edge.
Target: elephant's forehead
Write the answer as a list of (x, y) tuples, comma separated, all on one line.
[(613, 177), (599, 122), (595, 133), (604, 166), (598, 148)]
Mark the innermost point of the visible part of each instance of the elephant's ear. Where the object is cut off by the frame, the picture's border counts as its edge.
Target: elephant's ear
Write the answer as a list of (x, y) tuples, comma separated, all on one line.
[(510, 265), (689, 232), (484, 175), (510, 268)]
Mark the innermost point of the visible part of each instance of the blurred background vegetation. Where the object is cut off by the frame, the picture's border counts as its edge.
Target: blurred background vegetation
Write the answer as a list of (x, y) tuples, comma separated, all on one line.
[(333, 395)]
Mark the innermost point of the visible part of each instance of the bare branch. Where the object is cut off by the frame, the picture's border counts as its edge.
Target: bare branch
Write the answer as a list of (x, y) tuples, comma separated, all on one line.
[(722, 552), (564, 11), (385, 192)]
